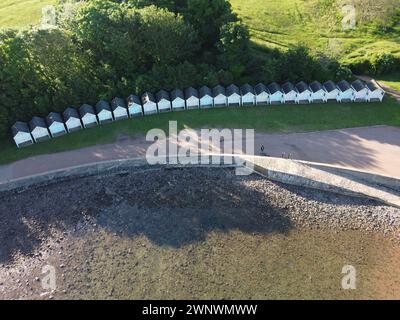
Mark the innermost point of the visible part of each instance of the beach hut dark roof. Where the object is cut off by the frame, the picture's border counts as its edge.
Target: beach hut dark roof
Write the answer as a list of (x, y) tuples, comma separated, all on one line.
[(232, 89), (302, 86), (19, 127), (372, 86), (274, 87), (218, 90), (133, 98), (70, 112), (343, 85), (148, 96), (287, 87), (37, 122), (54, 117), (260, 88), (102, 105), (246, 88), (117, 102), (177, 93), (191, 92), (204, 90), (329, 86), (358, 85), (85, 109), (162, 94), (316, 86)]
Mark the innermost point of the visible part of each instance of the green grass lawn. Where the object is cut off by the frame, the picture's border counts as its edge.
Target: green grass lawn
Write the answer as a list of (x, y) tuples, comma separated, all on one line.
[(391, 80), (280, 23), (21, 13), (283, 118)]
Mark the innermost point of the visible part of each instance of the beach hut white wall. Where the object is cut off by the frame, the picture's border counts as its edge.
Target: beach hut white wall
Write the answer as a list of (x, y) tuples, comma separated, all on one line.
[(289, 93), (119, 109), (104, 112), (149, 103), (360, 91), (192, 98), (55, 124), (375, 93), (248, 95), (219, 96), (346, 92), (178, 100), (262, 94), (331, 91), (163, 101), (88, 116), (233, 96), (21, 134), (318, 93), (275, 94), (39, 129), (72, 120), (303, 92), (206, 98), (134, 106)]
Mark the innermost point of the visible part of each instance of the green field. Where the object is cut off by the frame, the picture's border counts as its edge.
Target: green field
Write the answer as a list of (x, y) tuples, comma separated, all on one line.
[(283, 118), (21, 13), (391, 80), (281, 23)]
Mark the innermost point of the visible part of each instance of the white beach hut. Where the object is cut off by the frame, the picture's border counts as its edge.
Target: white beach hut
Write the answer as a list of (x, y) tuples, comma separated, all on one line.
[(275, 93), (134, 106), (206, 98), (21, 134), (104, 112), (248, 95), (360, 91), (119, 109), (262, 94), (331, 92), (289, 93), (318, 93), (233, 96), (39, 129), (346, 92), (88, 116), (219, 95), (55, 124), (192, 98), (149, 103), (72, 120), (177, 100), (375, 92), (163, 101), (303, 92)]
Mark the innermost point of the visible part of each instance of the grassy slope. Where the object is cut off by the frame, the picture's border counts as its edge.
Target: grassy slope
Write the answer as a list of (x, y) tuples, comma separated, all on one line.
[(284, 118), (20, 13), (279, 23), (391, 80)]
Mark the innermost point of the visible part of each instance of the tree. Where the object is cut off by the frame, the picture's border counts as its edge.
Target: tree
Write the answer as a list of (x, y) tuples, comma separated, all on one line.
[(207, 17), (234, 48)]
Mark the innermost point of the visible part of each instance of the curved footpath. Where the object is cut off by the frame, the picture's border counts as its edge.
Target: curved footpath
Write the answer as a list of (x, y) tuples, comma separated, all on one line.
[(371, 149)]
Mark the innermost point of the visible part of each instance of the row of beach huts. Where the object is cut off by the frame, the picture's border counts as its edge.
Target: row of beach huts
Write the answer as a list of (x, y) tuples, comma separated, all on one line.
[(72, 119)]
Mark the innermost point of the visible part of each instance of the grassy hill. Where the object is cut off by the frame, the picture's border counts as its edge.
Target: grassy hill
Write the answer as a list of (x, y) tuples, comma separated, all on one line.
[(21, 13), (316, 23)]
